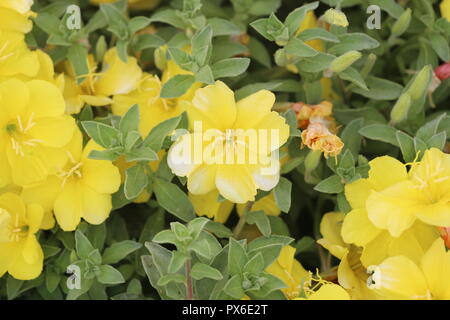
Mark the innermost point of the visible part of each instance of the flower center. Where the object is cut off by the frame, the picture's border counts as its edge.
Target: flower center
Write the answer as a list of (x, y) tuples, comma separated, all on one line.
[(73, 170), (18, 131), (427, 179), (11, 231)]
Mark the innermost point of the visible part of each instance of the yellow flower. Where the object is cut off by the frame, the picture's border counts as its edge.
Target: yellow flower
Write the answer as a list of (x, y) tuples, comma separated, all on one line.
[(445, 9), (232, 163), (360, 230), (81, 189), (116, 77), (34, 131), (422, 194), (15, 57), (208, 205), (15, 14), (328, 291), (351, 274), (20, 252), (401, 278), (290, 271)]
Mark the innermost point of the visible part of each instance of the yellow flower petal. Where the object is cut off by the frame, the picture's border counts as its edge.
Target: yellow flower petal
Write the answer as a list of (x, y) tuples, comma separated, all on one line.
[(357, 193), (253, 109), (436, 267), (235, 183), (394, 208), (358, 229), (379, 167), (96, 206), (202, 180), (330, 292), (216, 103), (68, 206)]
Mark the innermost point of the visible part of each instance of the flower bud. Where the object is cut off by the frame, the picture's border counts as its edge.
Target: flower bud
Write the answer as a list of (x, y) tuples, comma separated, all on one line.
[(443, 71), (100, 49), (400, 110), (346, 60), (402, 23), (420, 83), (160, 58), (336, 17)]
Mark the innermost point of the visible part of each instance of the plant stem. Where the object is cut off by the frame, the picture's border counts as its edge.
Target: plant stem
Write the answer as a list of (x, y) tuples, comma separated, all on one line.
[(189, 288), (241, 223)]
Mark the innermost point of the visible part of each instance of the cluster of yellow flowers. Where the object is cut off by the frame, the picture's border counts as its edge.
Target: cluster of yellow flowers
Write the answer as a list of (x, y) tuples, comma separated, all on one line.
[(389, 244)]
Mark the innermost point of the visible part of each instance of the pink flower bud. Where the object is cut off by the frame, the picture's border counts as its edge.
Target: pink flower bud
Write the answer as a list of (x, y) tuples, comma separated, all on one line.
[(443, 71)]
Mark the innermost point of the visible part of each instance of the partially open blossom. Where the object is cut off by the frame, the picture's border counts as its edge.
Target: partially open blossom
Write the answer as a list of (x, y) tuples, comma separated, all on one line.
[(115, 77), (20, 252)]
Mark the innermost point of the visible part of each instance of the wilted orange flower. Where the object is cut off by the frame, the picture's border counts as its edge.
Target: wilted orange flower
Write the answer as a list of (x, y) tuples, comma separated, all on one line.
[(318, 137), (305, 112)]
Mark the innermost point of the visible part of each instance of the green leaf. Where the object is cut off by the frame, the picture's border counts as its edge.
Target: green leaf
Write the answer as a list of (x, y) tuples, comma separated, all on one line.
[(168, 278), (430, 128), (119, 251), (136, 180), (380, 89), (175, 201), (350, 74), (165, 236), (390, 6), (440, 46), (420, 145), (196, 226), (298, 48), (351, 137), (259, 52), (201, 45), (223, 27), (200, 271), (122, 50), (353, 41), (205, 75), (138, 23), (168, 16), (145, 41), (406, 144), (233, 287), (83, 245), (231, 67), (176, 262), (261, 220), (48, 22), (141, 154), (218, 229), (177, 86), (380, 132), (77, 56), (282, 194), (156, 137), (437, 141), (109, 275), (237, 257), (296, 17), (318, 63), (116, 21), (269, 247), (317, 33), (255, 265), (104, 135), (130, 121), (13, 287), (331, 185)]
